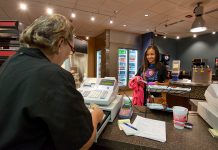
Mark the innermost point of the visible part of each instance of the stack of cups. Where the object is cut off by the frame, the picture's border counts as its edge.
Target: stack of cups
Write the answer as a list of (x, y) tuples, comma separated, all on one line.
[(179, 116)]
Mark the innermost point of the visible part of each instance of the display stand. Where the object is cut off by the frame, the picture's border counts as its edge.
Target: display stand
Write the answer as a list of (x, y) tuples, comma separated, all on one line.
[(9, 39), (164, 90), (167, 89)]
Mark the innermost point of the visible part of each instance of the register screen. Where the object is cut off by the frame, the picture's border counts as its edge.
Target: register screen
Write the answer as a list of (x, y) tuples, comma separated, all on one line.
[(107, 82)]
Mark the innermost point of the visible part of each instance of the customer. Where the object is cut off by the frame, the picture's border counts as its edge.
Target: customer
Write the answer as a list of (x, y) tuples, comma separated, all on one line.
[(152, 71), (40, 109)]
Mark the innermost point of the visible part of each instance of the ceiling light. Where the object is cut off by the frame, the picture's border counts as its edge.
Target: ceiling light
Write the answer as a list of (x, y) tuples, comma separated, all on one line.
[(49, 11), (146, 15), (213, 32), (177, 37), (23, 6), (124, 25), (87, 38), (92, 18), (194, 35), (165, 37), (73, 15), (111, 22), (199, 23)]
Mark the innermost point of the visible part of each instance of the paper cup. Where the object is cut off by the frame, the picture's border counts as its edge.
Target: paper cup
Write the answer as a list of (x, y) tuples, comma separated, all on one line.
[(179, 116)]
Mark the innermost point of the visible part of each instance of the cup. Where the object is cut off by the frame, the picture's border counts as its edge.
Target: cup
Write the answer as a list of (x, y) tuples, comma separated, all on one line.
[(179, 116)]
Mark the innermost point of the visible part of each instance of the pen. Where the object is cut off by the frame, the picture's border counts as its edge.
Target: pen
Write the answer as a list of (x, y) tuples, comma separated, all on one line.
[(130, 126)]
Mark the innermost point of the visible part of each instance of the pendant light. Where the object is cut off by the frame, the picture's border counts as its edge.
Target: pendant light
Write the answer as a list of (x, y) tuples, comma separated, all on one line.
[(199, 23)]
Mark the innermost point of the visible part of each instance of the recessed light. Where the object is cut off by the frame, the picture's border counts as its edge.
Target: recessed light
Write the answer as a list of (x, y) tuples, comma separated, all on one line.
[(194, 35), (92, 18), (165, 37), (213, 32), (23, 6), (177, 37), (49, 11), (124, 25), (73, 15), (146, 15), (111, 21), (87, 38)]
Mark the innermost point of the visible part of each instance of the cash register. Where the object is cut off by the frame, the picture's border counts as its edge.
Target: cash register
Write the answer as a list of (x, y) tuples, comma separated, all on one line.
[(208, 109), (103, 92)]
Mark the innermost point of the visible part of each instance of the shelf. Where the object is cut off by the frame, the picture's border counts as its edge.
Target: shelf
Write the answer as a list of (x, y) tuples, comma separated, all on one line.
[(167, 89)]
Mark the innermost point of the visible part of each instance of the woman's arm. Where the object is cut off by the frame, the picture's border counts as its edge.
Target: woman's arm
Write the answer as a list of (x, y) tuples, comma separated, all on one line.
[(97, 116)]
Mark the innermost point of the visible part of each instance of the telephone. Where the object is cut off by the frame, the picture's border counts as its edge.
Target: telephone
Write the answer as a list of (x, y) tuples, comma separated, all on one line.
[(101, 91)]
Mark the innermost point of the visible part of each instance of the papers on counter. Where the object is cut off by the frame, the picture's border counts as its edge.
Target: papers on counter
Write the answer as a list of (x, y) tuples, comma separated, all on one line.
[(121, 121), (155, 106), (213, 132), (128, 130), (148, 128)]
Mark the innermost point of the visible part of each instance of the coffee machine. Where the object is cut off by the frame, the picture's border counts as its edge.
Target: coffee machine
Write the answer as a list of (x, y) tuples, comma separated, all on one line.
[(201, 73)]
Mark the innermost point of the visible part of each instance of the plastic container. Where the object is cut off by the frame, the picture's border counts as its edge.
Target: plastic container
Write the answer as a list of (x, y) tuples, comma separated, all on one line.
[(179, 116)]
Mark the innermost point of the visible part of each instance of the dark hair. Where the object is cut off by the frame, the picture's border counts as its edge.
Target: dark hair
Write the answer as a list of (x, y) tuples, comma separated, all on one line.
[(157, 57)]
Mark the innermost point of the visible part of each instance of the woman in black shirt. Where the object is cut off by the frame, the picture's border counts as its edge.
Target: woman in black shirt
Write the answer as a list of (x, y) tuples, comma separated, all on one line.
[(40, 108), (152, 70)]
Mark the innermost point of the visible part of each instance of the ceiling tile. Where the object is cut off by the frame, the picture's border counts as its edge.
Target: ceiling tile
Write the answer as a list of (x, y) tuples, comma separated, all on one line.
[(130, 12)]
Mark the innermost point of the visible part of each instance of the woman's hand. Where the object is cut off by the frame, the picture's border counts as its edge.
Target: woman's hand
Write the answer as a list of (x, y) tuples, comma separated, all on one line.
[(97, 114)]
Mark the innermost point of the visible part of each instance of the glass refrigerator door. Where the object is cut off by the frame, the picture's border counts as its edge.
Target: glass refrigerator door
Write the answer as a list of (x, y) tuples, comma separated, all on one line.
[(98, 64), (133, 59), (122, 67)]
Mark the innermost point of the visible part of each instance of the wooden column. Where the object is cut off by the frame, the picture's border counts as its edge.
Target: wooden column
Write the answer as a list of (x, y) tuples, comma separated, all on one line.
[(91, 57)]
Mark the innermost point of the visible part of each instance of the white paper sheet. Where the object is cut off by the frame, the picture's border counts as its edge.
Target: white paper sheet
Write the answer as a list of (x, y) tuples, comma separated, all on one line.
[(149, 128), (127, 130)]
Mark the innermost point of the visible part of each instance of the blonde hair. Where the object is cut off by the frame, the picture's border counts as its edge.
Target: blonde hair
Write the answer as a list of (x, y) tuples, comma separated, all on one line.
[(46, 31)]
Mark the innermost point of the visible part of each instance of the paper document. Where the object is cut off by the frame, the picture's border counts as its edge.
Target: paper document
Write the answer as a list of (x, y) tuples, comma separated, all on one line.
[(127, 130), (213, 132), (121, 122), (149, 128)]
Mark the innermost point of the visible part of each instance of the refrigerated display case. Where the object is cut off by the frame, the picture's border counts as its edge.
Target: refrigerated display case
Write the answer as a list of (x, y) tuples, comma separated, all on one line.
[(127, 65), (133, 59), (98, 64)]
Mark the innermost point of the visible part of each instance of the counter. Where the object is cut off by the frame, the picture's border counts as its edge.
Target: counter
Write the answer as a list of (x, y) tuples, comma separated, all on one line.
[(197, 138), (197, 92)]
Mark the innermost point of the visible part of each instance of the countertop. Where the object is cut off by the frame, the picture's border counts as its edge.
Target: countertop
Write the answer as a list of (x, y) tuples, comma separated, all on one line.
[(197, 138)]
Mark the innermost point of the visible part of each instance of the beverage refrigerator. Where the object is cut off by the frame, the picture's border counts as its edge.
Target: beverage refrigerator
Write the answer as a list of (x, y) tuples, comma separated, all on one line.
[(127, 65), (98, 64)]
